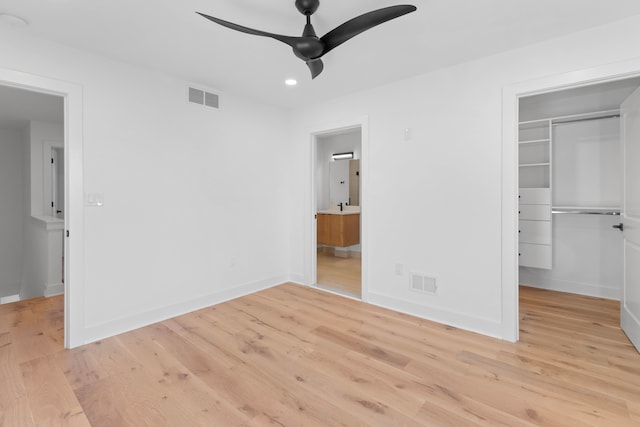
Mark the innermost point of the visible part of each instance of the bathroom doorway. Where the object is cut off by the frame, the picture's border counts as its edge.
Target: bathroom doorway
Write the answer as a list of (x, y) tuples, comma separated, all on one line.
[(338, 211), (31, 256), (70, 95)]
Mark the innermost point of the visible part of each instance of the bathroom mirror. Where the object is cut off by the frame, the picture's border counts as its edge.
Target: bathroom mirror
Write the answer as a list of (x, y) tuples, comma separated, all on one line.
[(344, 182)]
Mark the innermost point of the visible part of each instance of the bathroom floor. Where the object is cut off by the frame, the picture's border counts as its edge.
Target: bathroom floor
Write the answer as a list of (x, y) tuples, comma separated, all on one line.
[(340, 274)]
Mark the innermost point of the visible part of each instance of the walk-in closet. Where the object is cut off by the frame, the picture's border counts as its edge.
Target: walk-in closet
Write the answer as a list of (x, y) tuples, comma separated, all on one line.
[(570, 179)]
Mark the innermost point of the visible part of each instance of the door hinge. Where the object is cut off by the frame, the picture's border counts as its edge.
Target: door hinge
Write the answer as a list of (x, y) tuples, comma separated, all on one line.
[(52, 160), (51, 204), (67, 233)]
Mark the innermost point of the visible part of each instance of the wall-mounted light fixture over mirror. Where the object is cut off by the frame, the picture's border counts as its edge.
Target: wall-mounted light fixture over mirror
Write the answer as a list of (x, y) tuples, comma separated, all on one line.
[(342, 156)]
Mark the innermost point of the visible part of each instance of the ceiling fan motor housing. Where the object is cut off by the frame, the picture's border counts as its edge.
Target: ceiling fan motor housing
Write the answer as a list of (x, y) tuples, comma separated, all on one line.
[(307, 7)]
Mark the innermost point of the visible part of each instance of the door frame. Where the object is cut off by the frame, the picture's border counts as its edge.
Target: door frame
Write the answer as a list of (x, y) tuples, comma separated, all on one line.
[(629, 320), (74, 193), (361, 122), (510, 103)]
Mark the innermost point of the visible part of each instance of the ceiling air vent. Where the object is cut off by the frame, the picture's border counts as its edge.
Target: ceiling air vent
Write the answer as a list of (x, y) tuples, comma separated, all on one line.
[(200, 97)]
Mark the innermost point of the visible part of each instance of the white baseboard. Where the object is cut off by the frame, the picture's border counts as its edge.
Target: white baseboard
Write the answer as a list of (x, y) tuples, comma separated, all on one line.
[(575, 288), (97, 332), (10, 298), (459, 320), (297, 279), (53, 289), (630, 325)]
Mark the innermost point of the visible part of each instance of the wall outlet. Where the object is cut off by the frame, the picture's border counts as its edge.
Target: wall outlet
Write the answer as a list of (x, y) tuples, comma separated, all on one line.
[(399, 269)]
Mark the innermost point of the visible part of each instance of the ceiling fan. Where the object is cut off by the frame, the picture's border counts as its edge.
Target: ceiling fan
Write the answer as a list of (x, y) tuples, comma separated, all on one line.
[(309, 47)]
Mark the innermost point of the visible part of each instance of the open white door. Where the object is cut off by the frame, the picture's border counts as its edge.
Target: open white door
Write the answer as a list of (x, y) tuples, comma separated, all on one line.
[(630, 227)]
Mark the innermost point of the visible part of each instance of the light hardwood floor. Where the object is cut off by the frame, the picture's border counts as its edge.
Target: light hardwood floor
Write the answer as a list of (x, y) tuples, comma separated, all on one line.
[(341, 274), (294, 356)]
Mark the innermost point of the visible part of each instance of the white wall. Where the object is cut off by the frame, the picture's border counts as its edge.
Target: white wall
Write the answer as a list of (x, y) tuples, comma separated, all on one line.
[(35, 259), (196, 202), (587, 257), (587, 163), (12, 183), (434, 202)]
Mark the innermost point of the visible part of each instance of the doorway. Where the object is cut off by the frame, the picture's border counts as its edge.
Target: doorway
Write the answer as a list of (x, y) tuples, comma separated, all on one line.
[(570, 189), (338, 251), (35, 236), (72, 225), (511, 97)]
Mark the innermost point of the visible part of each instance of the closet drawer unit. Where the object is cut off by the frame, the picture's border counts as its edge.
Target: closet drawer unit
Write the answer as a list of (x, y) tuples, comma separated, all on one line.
[(535, 196), (537, 256), (535, 212), (538, 232)]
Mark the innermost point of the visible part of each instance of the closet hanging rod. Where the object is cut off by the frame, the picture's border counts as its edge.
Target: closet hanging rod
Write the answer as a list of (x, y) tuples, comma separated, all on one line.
[(611, 116), (585, 211)]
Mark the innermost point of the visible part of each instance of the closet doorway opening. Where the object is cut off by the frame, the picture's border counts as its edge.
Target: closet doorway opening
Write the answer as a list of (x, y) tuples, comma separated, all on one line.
[(337, 253), (570, 201)]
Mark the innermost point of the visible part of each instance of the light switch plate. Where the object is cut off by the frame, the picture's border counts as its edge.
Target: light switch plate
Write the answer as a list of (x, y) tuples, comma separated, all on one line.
[(94, 200)]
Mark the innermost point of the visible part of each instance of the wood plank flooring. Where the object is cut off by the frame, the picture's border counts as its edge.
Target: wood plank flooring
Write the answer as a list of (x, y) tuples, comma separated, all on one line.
[(294, 356), (341, 274)]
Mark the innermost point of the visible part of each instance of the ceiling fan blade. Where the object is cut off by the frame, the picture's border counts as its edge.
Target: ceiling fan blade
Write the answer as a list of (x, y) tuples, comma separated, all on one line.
[(291, 41), (316, 66), (357, 25)]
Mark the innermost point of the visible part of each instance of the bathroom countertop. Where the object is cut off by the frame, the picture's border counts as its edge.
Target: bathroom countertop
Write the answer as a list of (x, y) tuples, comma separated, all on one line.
[(352, 211)]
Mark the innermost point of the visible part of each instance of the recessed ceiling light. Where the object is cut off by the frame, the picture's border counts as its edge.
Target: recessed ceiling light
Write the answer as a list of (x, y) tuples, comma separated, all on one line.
[(291, 82), (13, 20)]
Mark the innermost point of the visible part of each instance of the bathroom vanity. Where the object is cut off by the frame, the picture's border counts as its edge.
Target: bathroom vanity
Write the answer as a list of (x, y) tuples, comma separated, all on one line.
[(339, 228)]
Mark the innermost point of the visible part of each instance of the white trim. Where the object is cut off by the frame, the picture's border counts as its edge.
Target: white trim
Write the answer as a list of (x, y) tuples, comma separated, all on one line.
[(480, 325), (53, 289), (629, 325), (9, 299), (74, 285), (311, 258), (105, 330), (579, 288), (298, 279), (510, 97)]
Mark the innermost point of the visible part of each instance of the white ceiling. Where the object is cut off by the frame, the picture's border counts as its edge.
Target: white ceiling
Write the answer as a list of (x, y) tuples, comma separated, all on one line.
[(167, 35), (580, 100), (18, 106)]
